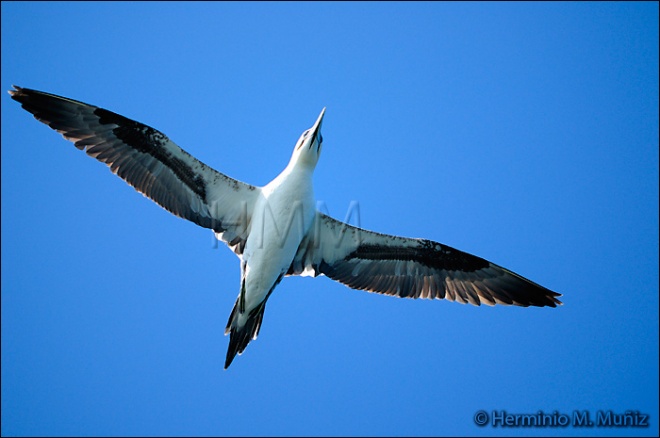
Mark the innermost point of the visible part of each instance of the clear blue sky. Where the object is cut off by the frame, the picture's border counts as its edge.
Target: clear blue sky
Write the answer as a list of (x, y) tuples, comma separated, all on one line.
[(524, 133)]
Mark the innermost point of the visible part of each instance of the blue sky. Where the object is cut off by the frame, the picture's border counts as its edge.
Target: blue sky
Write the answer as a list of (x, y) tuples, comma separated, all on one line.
[(524, 133)]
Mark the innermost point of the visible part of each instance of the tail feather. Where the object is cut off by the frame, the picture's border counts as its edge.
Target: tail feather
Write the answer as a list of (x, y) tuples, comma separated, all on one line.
[(241, 335), (242, 329)]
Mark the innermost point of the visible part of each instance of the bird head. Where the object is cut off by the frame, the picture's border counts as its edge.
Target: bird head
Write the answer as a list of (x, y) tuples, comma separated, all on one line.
[(308, 147)]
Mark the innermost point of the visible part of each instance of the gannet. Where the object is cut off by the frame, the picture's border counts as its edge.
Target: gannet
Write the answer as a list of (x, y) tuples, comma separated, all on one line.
[(276, 230)]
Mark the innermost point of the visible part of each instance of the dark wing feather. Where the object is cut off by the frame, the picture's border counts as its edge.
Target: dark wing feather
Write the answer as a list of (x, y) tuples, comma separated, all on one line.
[(150, 162), (410, 268)]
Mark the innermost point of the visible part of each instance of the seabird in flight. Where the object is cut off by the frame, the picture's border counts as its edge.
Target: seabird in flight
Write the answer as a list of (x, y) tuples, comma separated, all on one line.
[(276, 230)]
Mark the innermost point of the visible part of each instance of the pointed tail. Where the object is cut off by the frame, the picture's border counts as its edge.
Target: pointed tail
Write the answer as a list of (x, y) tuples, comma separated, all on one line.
[(242, 329)]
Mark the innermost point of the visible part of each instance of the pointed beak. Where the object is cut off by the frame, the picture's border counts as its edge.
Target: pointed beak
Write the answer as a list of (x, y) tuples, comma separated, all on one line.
[(317, 125), (316, 129)]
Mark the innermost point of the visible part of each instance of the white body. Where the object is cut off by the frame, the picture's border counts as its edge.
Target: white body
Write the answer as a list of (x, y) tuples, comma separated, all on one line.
[(282, 216), (283, 212)]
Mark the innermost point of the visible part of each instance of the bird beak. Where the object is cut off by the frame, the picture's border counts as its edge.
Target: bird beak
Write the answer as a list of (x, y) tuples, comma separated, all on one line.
[(317, 126)]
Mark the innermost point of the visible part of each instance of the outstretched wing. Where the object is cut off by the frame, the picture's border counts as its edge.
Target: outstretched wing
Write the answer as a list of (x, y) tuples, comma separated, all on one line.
[(150, 162), (411, 268)]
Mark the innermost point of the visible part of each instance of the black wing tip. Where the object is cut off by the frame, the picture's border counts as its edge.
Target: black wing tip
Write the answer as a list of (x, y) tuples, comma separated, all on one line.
[(29, 96), (17, 92), (544, 298), (555, 302), (32, 100)]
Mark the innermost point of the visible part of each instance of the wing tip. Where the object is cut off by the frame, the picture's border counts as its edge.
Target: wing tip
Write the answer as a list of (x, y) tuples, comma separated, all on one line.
[(547, 298), (17, 92)]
